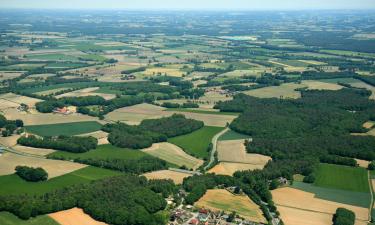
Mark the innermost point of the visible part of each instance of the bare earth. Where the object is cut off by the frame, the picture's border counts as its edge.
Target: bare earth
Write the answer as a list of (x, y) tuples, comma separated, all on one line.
[(33, 151), (74, 216), (18, 99), (318, 85), (135, 114), (223, 200), (87, 92), (293, 198), (9, 141), (226, 168), (54, 168), (100, 135), (177, 177), (362, 163), (173, 154)]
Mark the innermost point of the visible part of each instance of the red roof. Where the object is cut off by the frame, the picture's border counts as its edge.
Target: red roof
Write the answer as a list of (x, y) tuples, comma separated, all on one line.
[(194, 221)]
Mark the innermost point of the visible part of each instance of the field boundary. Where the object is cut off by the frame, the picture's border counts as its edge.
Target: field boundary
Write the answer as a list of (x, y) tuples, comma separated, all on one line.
[(372, 195), (214, 147)]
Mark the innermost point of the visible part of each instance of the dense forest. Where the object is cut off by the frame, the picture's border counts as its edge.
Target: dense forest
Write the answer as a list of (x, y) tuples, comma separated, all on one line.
[(343, 217), (302, 132), (10, 126), (63, 143), (31, 174)]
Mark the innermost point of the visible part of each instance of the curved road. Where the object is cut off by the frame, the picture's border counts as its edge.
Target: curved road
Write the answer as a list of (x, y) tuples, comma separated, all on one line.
[(214, 147)]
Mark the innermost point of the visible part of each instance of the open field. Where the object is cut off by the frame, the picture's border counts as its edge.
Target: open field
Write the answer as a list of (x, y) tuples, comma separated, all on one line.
[(33, 151), (362, 163), (293, 198), (173, 154), (135, 114), (13, 184), (74, 216), (235, 151), (286, 90), (293, 216), (50, 92), (18, 99), (197, 142), (335, 176), (5, 104), (100, 135), (177, 177), (228, 168), (64, 128), (9, 75), (36, 118), (232, 135), (223, 200), (87, 92), (202, 111), (9, 141), (103, 152), (54, 168), (7, 218), (318, 85), (355, 83)]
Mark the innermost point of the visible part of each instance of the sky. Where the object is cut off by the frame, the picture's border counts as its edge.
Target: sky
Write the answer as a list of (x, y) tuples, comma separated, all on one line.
[(191, 4)]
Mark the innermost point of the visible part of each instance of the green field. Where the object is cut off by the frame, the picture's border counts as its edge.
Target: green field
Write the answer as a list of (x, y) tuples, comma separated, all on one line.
[(52, 57), (346, 197), (232, 135), (342, 177), (68, 85), (13, 184), (75, 128), (103, 152), (197, 142), (202, 111), (7, 218)]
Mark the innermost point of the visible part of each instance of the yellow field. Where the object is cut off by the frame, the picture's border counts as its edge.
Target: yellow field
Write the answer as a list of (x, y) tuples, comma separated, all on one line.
[(227, 168), (33, 151), (161, 70), (305, 201), (9, 141), (223, 200), (18, 99), (87, 92), (74, 216), (100, 135), (313, 62), (54, 168), (292, 216), (9, 75), (177, 177), (209, 99), (363, 163), (5, 104), (135, 114), (173, 154), (318, 85), (283, 91)]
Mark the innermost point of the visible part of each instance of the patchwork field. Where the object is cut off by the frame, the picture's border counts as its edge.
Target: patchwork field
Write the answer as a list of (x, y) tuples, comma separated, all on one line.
[(286, 90), (297, 199), (197, 142), (13, 184), (223, 200), (74, 216), (64, 128), (173, 154), (177, 177), (7, 218), (54, 168), (228, 168)]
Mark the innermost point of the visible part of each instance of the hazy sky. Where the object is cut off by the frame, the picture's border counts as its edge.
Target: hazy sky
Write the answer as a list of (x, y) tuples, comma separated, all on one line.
[(192, 4)]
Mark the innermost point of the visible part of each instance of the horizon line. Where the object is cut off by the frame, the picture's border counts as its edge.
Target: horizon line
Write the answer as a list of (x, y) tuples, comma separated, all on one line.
[(195, 9)]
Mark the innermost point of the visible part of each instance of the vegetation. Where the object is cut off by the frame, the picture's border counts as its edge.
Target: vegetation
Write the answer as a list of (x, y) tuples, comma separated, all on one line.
[(10, 219), (31, 174), (75, 128), (343, 217)]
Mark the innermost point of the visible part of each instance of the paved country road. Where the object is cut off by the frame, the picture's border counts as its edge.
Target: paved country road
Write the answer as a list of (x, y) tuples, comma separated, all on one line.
[(214, 147)]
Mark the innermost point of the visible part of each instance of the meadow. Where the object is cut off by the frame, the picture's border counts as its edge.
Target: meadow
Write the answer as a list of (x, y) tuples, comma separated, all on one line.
[(70, 129), (202, 111), (7, 218), (342, 177), (14, 185), (232, 135), (197, 142)]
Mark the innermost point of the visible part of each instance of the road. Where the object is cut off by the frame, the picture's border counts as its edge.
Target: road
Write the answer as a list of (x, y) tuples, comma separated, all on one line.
[(11, 150), (372, 190), (214, 147)]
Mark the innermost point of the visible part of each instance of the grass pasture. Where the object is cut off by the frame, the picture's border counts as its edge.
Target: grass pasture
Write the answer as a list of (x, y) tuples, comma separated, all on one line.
[(75, 128), (197, 142), (342, 177), (14, 185), (232, 135), (7, 218), (223, 200), (286, 90)]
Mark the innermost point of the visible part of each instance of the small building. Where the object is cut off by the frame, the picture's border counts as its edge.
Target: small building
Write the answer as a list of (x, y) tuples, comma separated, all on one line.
[(194, 221)]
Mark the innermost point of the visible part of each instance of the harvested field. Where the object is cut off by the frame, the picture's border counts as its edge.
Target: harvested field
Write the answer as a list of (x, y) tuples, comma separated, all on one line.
[(50, 92), (9, 141), (235, 151), (173, 154), (100, 135), (55, 168), (369, 124), (362, 163), (36, 118), (18, 99), (9, 75), (318, 85), (87, 92), (293, 216), (177, 177), (135, 114), (162, 70), (227, 168), (313, 62), (33, 151), (74, 216), (5, 104), (290, 197), (223, 200), (286, 90)]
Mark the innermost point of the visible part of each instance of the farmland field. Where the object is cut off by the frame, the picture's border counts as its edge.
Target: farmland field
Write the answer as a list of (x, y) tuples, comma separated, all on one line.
[(64, 128), (177, 177), (219, 199), (13, 184), (197, 142), (74, 216), (283, 91), (229, 168), (232, 135), (342, 177), (7, 218)]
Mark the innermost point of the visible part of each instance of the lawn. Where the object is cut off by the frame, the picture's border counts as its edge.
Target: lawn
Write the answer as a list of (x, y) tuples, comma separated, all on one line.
[(102, 152), (233, 135), (342, 177), (75, 128), (13, 184), (202, 111), (7, 218), (197, 142)]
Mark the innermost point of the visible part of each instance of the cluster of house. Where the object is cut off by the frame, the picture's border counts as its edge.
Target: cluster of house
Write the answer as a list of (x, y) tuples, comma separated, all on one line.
[(65, 110)]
